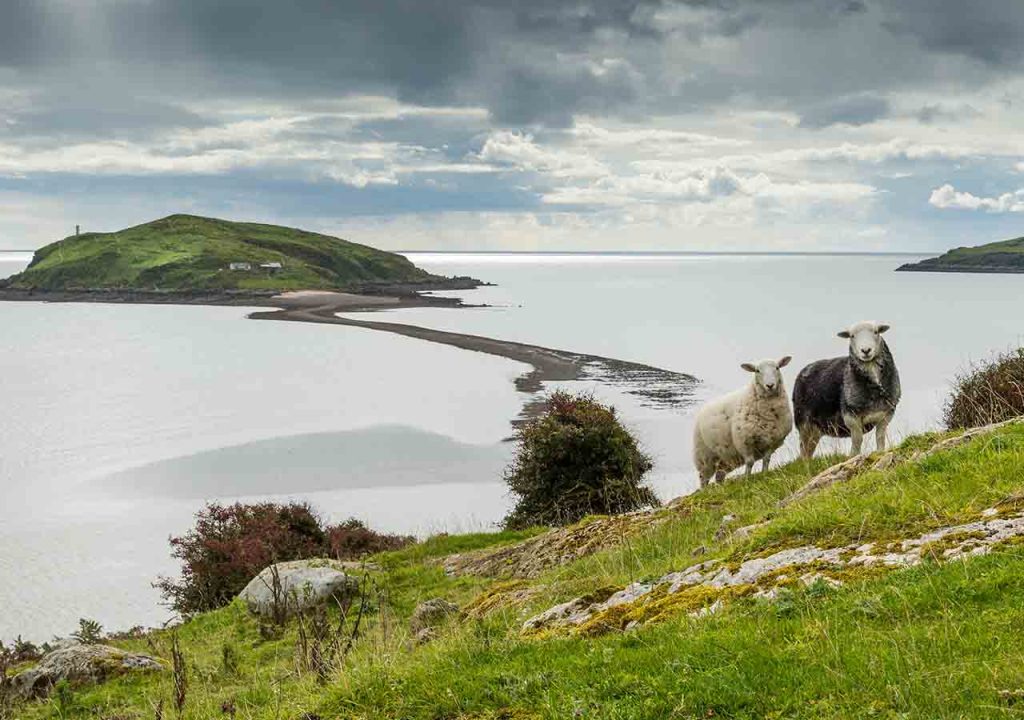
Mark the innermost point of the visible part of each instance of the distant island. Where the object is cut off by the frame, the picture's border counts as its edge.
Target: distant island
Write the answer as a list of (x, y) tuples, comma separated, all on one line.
[(998, 257), (191, 254), (304, 277)]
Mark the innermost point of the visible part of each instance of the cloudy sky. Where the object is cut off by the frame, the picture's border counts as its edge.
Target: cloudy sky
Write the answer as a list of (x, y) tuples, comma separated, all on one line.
[(520, 124)]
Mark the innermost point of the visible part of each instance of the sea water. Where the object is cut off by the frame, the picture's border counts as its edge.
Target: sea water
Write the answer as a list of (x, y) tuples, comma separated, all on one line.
[(117, 422)]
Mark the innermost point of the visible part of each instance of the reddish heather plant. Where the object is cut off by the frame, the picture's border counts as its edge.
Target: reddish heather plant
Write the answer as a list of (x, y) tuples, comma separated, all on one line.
[(352, 540), (230, 544)]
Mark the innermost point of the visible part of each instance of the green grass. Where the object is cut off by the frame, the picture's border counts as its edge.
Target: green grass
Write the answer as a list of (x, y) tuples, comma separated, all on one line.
[(1006, 253), (185, 252), (935, 641)]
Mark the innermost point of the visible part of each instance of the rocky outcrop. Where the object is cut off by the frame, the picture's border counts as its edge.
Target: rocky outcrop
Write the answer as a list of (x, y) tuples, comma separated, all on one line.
[(703, 588), (288, 588), (858, 464), (430, 615), (529, 558), (79, 665)]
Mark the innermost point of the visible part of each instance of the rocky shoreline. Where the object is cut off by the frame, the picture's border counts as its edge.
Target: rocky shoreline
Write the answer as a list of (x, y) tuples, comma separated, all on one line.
[(409, 293), (980, 269)]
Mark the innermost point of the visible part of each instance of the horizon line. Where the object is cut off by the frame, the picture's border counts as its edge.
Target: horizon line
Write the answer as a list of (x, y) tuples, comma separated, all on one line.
[(624, 252), (665, 252)]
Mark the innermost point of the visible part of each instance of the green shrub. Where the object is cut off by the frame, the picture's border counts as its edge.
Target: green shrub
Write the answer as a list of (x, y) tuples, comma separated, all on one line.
[(987, 393), (575, 460)]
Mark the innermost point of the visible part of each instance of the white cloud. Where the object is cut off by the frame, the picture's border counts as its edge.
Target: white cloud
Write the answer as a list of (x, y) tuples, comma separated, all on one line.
[(597, 136), (948, 197), (519, 151), (706, 185), (275, 145)]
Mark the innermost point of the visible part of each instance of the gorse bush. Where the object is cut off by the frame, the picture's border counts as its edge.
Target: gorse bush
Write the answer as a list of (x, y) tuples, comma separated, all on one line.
[(575, 460), (987, 393), (231, 544)]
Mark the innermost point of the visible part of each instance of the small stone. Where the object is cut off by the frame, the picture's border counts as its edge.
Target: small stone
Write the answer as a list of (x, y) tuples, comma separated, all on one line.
[(1012, 697), (425, 635), (745, 531), (80, 664), (709, 610), (811, 578), (431, 614), (885, 462)]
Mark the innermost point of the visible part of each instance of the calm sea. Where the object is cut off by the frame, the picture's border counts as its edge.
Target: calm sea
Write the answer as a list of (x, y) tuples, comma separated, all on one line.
[(119, 421)]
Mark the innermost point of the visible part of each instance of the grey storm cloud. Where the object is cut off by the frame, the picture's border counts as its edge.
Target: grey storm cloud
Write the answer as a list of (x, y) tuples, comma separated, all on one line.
[(20, 26), (100, 114), (526, 62), (855, 110), (991, 31)]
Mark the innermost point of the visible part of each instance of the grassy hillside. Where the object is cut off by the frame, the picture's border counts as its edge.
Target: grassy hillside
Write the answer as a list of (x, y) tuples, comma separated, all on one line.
[(1006, 256), (185, 252), (939, 640)]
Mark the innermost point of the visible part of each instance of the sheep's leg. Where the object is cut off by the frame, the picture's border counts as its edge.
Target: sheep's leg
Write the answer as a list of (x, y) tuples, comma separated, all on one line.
[(720, 477), (766, 462), (856, 434), (810, 436), (880, 430), (750, 467)]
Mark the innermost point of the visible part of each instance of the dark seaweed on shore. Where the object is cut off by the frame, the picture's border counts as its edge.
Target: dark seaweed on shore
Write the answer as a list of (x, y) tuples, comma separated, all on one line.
[(655, 387)]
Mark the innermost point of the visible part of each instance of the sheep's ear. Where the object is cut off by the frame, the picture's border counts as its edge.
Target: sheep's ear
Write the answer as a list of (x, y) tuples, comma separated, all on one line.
[(748, 367), (882, 328), (844, 334), (784, 361)]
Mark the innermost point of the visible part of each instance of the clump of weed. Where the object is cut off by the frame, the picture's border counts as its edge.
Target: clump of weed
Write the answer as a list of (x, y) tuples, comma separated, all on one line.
[(988, 392), (89, 632)]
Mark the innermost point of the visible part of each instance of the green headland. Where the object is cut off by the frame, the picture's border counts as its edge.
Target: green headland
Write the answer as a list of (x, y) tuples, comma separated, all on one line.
[(1006, 256), (190, 253)]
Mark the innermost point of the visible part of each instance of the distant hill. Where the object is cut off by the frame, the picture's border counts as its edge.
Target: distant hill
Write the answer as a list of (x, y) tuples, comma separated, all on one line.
[(186, 252), (998, 257)]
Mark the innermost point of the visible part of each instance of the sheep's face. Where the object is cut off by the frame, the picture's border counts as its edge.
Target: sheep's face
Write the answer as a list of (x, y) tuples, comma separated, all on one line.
[(865, 340), (768, 375)]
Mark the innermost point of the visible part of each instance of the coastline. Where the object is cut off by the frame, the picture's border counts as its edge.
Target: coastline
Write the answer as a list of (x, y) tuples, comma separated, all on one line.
[(653, 386), (975, 269)]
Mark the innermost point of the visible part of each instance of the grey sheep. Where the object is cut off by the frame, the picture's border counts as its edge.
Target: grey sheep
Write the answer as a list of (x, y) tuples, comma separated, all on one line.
[(850, 395)]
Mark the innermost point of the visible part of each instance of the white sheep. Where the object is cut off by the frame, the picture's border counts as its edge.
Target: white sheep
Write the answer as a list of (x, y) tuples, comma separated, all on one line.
[(744, 426)]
